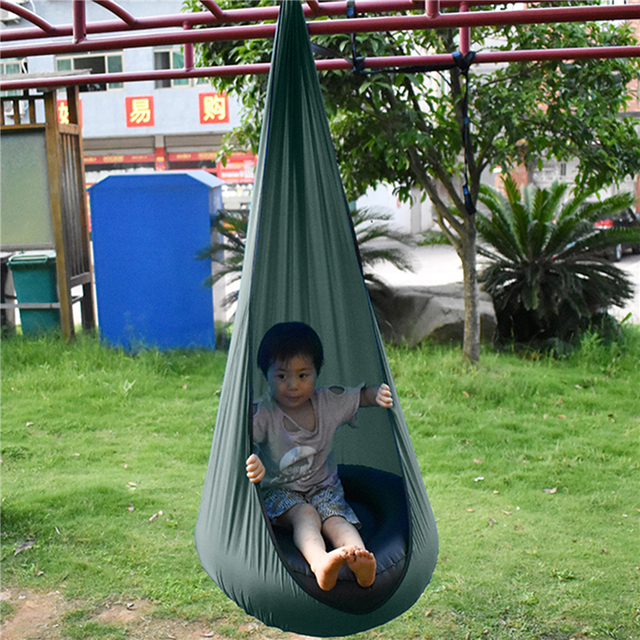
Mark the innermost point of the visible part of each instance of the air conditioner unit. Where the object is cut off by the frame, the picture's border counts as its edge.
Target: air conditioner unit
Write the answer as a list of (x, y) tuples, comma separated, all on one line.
[(9, 111), (6, 17)]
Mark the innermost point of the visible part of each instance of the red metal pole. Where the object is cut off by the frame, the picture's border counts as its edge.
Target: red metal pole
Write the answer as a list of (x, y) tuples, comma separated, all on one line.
[(188, 51), (117, 10), (477, 19), (315, 7), (79, 21), (141, 40), (537, 55), (255, 14), (465, 32), (432, 8), (353, 25), (327, 65), (214, 8), (44, 28)]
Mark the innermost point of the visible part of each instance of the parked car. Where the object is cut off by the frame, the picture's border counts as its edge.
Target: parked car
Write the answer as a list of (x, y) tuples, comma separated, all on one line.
[(627, 219)]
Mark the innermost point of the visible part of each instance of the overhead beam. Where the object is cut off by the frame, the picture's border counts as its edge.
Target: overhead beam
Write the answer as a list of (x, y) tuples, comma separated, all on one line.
[(336, 64), (347, 26), (131, 32)]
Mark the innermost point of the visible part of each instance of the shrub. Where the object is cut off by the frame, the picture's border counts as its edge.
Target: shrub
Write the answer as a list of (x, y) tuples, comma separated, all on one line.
[(547, 283)]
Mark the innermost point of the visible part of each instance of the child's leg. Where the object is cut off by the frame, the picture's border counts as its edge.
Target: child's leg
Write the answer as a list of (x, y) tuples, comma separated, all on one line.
[(307, 536), (342, 534)]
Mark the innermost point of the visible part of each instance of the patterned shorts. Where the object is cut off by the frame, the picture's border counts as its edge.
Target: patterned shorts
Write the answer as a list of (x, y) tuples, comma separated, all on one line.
[(328, 500)]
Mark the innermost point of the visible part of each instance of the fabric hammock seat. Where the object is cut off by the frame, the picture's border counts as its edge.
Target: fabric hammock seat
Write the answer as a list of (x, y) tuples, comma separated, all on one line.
[(302, 264)]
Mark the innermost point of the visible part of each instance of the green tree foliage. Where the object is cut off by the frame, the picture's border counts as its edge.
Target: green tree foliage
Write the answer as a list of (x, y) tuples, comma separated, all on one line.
[(546, 280), (405, 127)]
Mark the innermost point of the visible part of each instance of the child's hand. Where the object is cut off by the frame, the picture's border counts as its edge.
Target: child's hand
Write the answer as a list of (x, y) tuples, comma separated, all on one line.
[(383, 397), (255, 468)]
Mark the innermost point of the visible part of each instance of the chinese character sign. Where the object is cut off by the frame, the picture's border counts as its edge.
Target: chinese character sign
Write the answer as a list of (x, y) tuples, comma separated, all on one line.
[(63, 112), (214, 108), (139, 111)]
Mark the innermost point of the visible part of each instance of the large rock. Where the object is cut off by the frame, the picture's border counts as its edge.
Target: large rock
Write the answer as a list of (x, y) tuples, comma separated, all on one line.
[(411, 314)]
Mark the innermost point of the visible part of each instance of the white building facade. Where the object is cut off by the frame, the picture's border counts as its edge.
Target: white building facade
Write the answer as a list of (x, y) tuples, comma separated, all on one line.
[(146, 125)]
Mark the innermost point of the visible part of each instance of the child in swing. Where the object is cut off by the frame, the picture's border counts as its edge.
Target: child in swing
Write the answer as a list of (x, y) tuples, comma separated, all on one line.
[(293, 426)]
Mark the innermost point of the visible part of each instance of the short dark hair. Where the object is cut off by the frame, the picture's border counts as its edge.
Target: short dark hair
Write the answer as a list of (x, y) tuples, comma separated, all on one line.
[(286, 340)]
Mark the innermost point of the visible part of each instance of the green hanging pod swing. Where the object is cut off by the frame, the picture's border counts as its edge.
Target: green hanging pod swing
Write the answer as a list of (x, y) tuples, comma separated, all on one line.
[(301, 264)]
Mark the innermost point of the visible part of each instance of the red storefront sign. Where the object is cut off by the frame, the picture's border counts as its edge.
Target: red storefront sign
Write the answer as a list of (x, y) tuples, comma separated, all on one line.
[(239, 168), (214, 108), (191, 156), (137, 158), (139, 111)]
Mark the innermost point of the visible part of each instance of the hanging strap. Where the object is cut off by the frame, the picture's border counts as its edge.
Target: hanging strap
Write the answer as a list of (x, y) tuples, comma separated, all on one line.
[(356, 61), (464, 63)]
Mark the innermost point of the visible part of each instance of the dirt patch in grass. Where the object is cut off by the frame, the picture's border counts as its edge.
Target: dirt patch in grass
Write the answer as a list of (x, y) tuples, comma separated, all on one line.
[(49, 616), (33, 615)]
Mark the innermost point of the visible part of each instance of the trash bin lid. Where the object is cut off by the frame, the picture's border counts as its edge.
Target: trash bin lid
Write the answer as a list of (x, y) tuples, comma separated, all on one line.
[(29, 258)]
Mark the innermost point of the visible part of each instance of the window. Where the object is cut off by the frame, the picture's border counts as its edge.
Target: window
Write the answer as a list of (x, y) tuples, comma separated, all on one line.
[(172, 59), (103, 63), (10, 67)]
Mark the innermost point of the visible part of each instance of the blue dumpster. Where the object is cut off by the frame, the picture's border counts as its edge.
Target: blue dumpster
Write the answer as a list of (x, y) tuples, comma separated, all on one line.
[(147, 230)]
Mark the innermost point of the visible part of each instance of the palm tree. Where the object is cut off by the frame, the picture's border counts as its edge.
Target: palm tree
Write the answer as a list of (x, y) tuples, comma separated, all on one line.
[(230, 228), (371, 225), (544, 275), (377, 242)]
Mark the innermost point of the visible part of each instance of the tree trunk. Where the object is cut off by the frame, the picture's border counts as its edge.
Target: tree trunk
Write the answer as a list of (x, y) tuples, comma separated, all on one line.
[(461, 231)]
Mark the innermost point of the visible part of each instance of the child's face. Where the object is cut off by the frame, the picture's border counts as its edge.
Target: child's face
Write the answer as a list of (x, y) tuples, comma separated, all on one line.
[(293, 382)]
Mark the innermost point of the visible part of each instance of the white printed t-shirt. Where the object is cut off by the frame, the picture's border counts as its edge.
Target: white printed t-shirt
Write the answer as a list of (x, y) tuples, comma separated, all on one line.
[(301, 459)]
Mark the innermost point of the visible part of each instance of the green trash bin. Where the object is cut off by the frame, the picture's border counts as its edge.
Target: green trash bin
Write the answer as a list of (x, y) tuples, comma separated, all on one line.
[(34, 280)]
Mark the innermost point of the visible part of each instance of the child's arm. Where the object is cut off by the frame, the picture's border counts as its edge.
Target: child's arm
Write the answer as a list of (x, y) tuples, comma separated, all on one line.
[(255, 468), (372, 396)]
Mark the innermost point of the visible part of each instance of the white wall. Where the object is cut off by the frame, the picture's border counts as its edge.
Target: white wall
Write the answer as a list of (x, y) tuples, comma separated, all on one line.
[(412, 218)]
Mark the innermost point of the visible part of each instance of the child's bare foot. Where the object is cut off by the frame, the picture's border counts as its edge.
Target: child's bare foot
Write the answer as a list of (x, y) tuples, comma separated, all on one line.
[(363, 564), (327, 572)]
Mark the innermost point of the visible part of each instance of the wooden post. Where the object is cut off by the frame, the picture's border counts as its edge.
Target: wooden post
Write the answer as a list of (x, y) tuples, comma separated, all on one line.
[(54, 167), (87, 304)]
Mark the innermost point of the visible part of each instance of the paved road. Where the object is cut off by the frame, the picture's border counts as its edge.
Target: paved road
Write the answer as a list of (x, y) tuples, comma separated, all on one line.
[(439, 264)]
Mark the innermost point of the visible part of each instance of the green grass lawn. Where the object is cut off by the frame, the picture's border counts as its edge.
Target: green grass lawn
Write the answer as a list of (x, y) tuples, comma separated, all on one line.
[(531, 465)]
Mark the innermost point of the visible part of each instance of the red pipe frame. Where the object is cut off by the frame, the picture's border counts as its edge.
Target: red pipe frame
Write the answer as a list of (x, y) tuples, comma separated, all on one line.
[(430, 19), (128, 22), (216, 15)]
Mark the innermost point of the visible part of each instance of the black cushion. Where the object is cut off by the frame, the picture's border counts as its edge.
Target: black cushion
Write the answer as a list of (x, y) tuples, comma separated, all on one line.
[(380, 502)]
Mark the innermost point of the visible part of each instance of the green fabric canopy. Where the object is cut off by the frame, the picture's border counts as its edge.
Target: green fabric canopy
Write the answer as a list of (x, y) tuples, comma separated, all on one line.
[(301, 264)]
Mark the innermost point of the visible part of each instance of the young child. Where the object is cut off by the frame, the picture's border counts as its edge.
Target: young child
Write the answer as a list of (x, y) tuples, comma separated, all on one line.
[(293, 426)]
